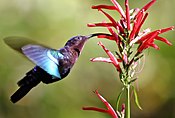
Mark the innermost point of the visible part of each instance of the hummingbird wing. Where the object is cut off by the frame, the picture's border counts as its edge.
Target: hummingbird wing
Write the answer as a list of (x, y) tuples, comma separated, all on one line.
[(17, 42), (47, 59)]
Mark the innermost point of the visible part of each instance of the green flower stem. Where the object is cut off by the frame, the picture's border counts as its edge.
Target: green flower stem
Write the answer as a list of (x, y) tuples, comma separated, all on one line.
[(128, 111)]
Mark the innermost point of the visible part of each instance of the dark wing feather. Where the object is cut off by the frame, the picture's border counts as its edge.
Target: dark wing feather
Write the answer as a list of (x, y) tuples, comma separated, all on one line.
[(16, 42)]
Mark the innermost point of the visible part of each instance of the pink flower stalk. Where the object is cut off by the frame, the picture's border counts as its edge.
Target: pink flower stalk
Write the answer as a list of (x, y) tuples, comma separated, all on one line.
[(109, 109)]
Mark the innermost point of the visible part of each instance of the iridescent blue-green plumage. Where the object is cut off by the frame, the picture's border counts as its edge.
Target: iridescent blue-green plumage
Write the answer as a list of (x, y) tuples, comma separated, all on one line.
[(51, 65), (47, 59)]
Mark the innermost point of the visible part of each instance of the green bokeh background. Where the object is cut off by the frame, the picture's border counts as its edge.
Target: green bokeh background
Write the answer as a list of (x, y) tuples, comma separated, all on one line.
[(52, 23)]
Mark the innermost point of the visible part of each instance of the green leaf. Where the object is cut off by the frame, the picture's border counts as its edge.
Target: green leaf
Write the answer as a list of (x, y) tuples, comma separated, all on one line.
[(136, 98), (118, 98)]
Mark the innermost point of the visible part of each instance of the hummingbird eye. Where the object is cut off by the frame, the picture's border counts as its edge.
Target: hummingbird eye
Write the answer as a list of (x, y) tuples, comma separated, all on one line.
[(79, 38), (74, 41)]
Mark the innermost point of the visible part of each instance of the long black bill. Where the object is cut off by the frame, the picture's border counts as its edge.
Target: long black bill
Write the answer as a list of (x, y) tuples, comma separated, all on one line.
[(97, 34)]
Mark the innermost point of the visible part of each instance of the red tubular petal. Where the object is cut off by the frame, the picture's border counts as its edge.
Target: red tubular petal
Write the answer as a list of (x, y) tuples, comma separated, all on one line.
[(140, 25), (123, 23), (163, 40), (104, 7), (123, 109), (157, 32), (120, 28), (151, 38), (107, 37), (166, 29), (137, 22), (99, 24), (113, 34), (146, 36), (111, 56), (154, 46), (142, 47), (147, 6), (127, 14), (109, 17), (102, 99), (148, 42), (95, 109), (119, 60), (120, 10), (132, 34), (93, 24), (110, 110), (101, 59), (139, 17)]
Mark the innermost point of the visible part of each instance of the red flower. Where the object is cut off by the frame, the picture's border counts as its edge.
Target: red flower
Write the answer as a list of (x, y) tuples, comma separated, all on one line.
[(127, 14), (104, 7), (109, 109), (101, 59), (130, 20), (126, 32), (148, 40), (139, 19), (112, 59), (119, 8)]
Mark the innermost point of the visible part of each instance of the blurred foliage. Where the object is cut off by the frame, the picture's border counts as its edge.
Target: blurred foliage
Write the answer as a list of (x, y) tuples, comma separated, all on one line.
[(52, 23)]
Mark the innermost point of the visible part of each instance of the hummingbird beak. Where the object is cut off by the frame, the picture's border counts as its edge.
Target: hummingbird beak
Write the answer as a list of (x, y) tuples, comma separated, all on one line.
[(96, 34)]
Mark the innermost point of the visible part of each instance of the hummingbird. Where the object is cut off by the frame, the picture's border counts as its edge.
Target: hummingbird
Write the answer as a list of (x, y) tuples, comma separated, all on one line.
[(51, 65)]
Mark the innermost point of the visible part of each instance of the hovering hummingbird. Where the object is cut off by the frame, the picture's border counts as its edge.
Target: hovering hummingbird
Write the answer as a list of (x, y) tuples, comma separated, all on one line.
[(51, 65)]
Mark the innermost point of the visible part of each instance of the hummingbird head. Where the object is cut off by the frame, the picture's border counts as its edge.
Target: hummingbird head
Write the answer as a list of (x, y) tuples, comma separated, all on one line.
[(77, 42)]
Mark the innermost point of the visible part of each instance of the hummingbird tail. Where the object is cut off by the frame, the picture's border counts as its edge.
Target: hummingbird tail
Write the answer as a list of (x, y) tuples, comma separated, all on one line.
[(20, 93), (31, 79)]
